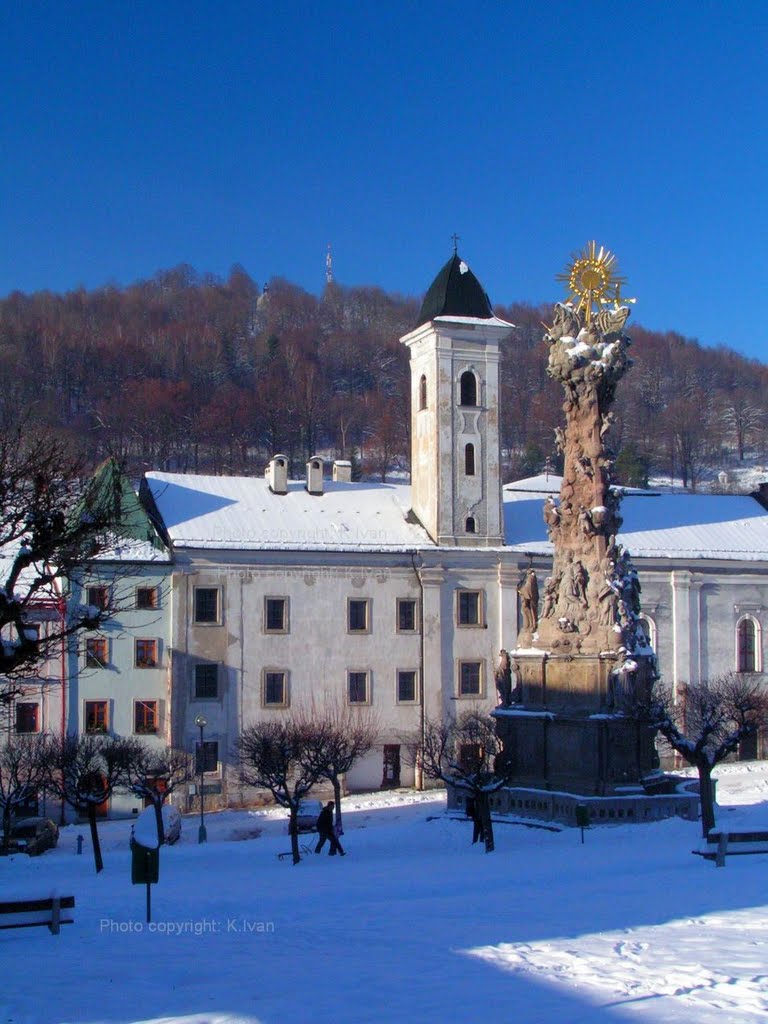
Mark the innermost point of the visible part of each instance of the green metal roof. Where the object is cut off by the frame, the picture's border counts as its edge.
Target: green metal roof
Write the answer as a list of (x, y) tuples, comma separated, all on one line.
[(110, 489)]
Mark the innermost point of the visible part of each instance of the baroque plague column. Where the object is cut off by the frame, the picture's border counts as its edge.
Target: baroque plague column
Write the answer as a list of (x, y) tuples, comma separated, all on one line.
[(580, 659)]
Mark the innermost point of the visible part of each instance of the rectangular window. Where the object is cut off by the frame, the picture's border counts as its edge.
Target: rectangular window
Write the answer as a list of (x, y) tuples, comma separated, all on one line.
[(96, 652), (96, 716), (406, 615), (469, 607), (275, 689), (275, 614), (27, 717), (206, 682), (145, 717), (357, 687), (406, 686), (98, 597), (146, 654), (206, 756), (358, 617), (470, 757), (470, 678), (147, 597), (207, 605)]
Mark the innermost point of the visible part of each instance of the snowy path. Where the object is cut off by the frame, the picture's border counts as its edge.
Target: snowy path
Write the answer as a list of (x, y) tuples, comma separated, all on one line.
[(414, 925)]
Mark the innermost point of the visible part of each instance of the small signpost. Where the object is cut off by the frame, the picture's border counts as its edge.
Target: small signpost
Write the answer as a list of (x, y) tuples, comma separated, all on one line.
[(582, 818), (145, 854)]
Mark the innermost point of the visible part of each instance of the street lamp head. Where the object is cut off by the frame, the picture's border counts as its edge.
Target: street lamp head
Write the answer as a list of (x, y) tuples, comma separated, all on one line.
[(201, 721)]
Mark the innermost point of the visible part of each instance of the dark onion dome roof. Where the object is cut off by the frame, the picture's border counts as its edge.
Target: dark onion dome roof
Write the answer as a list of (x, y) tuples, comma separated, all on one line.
[(455, 292)]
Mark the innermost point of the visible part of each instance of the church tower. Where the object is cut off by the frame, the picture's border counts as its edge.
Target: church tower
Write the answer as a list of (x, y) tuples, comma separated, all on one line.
[(455, 449)]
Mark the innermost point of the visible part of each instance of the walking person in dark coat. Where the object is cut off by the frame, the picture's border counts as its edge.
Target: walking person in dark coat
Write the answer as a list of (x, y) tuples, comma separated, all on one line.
[(473, 812), (325, 831)]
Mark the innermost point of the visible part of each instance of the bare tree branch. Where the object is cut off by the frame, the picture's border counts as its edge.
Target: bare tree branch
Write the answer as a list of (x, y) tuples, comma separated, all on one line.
[(337, 736), (85, 771), (22, 775), (708, 724), (272, 757), (52, 527), (154, 774), (462, 753)]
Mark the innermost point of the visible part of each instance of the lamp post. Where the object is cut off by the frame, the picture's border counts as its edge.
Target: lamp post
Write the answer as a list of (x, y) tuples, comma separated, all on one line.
[(201, 721)]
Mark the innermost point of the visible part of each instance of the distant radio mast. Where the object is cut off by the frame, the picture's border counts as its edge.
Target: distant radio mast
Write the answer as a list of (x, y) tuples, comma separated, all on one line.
[(328, 265)]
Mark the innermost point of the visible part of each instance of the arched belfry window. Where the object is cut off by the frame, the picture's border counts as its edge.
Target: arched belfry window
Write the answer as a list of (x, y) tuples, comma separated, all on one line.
[(423, 392), (469, 460), (471, 525), (747, 645), (468, 388)]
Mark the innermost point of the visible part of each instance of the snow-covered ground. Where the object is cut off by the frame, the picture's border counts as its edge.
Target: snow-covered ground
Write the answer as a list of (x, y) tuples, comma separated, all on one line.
[(736, 478), (414, 925)]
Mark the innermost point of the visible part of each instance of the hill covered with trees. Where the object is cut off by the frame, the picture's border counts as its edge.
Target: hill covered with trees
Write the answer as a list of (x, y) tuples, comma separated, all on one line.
[(190, 372)]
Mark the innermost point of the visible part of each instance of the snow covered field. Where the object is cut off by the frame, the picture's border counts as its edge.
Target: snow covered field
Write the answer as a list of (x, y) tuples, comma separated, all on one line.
[(414, 925)]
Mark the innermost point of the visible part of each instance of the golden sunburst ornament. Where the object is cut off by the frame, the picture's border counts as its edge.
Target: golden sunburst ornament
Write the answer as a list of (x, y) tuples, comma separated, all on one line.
[(593, 280)]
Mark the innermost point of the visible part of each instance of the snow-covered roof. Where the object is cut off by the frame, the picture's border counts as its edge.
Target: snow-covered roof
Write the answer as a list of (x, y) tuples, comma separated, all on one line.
[(28, 576), (231, 512), (543, 485), (135, 539), (474, 321), (687, 526), (547, 484), (695, 526), (129, 549), (242, 513)]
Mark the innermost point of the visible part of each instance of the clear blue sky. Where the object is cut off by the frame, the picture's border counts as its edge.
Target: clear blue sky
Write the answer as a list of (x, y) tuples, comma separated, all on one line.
[(140, 135)]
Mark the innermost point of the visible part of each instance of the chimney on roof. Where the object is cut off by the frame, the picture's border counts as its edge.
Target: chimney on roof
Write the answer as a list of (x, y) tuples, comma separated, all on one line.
[(315, 475), (342, 471), (276, 474)]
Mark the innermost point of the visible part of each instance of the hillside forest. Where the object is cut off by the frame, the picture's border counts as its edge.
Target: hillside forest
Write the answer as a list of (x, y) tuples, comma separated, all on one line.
[(194, 373)]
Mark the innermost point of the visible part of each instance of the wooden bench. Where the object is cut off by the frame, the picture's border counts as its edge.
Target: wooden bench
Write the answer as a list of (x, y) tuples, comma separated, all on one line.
[(720, 844), (32, 913)]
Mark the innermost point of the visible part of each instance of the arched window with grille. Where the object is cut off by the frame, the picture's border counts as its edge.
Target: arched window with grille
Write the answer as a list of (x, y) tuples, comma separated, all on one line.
[(468, 388), (423, 392), (747, 645), (469, 460), (471, 525)]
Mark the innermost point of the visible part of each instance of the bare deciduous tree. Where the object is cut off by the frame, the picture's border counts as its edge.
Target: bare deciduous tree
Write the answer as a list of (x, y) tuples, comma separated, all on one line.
[(708, 725), (154, 774), (85, 771), (51, 528), (272, 756), (22, 774), (462, 753), (337, 736)]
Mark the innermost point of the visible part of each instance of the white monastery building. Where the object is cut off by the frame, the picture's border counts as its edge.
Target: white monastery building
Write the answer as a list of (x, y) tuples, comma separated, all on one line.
[(399, 599), (257, 596)]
